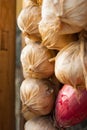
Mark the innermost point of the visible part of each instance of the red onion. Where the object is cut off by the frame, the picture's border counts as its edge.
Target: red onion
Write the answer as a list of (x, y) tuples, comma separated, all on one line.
[(71, 106)]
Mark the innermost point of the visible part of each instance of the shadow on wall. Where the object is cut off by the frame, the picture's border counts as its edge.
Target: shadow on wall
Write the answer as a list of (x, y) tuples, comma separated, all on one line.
[(18, 78), (18, 46)]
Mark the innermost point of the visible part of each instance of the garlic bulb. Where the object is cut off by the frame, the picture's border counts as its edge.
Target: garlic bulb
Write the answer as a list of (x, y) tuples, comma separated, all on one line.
[(50, 27), (40, 123), (73, 15), (62, 17), (28, 20), (71, 64), (37, 96), (35, 61)]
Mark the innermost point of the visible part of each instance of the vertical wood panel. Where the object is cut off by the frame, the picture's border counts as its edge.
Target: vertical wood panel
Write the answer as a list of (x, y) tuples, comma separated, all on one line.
[(0, 40), (7, 64)]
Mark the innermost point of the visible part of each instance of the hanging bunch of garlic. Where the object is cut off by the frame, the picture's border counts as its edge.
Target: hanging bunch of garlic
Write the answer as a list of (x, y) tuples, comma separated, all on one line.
[(55, 54), (37, 92)]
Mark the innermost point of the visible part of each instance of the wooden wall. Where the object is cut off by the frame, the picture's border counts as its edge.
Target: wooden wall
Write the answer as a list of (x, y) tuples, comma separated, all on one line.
[(18, 7), (7, 64)]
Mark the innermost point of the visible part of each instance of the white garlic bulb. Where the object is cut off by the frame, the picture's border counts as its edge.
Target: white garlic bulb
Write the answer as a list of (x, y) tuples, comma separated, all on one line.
[(28, 20), (71, 64), (35, 61), (37, 96)]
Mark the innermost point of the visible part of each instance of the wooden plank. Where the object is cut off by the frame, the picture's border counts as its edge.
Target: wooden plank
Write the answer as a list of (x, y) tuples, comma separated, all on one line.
[(3, 61), (7, 64), (4, 102), (0, 39), (11, 63), (4, 40)]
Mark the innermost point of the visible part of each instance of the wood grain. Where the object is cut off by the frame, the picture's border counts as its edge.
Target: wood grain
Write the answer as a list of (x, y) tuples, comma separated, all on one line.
[(7, 64)]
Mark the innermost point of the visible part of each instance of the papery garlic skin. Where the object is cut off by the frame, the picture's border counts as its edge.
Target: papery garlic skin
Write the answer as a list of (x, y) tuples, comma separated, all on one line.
[(27, 40), (28, 115), (37, 96), (69, 15), (52, 40), (35, 61), (71, 64), (61, 19), (51, 26), (40, 123), (28, 20)]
